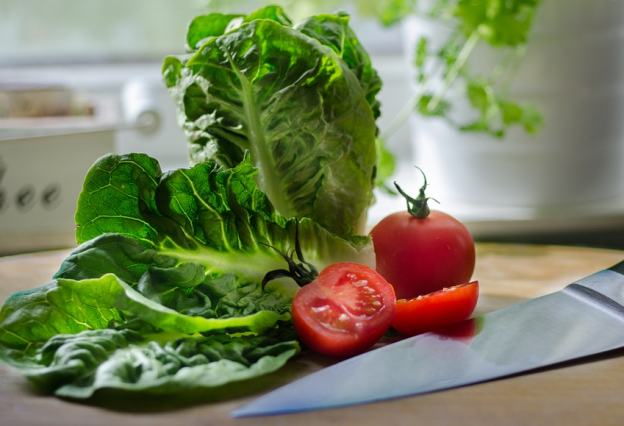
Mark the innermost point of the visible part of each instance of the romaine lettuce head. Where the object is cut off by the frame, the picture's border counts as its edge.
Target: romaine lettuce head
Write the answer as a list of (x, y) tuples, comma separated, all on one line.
[(163, 294), (300, 99)]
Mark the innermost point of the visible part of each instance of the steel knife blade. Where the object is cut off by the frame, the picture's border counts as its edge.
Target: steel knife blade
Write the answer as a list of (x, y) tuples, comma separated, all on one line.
[(584, 318)]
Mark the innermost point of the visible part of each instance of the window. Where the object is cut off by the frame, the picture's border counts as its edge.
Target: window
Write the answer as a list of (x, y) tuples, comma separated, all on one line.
[(69, 31)]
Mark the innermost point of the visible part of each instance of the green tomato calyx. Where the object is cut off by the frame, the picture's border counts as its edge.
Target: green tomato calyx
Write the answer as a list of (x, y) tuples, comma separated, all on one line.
[(417, 207)]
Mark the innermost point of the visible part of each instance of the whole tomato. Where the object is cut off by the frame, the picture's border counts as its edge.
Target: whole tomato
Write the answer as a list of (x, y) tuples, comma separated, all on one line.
[(420, 251)]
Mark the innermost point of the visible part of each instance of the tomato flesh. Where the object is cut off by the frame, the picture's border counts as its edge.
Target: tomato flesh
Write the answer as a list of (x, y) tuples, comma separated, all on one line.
[(436, 310), (421, 255), (345, 311)]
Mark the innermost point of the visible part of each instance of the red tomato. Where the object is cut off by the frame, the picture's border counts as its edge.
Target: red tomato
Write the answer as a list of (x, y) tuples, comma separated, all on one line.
[(344, 311), (418, 256), (420, 251), (436, 310)]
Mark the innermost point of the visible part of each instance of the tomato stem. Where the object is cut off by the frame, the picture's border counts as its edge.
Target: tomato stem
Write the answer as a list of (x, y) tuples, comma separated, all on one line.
[(302, 272), (417, 207)]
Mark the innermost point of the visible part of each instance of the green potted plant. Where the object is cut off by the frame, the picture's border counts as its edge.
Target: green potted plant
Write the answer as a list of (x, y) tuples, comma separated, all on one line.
[(522, 118)]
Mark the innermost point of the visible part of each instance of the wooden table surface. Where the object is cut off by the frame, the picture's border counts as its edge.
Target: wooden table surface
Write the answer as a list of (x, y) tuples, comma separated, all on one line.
[(587, 392)]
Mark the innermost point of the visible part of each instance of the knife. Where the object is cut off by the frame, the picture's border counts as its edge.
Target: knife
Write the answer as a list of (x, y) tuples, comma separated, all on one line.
[(584, 318)]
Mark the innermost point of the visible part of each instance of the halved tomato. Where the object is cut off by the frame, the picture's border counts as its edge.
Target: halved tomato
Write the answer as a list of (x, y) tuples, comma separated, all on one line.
[(344, 311), (436, 310)]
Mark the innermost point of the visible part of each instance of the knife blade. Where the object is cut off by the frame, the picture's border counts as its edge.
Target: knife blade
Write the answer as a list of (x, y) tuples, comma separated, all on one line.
[(584, 318)]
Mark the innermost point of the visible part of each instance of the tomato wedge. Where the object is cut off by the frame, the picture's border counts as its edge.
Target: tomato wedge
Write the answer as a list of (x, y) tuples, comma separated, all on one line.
[(344, 311), (436, 310)]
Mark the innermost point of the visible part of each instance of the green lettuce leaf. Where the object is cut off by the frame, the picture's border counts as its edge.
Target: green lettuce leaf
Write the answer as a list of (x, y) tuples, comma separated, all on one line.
[(72, 338), (78, 365), (334, 32), (208, 216), (203, 27), (168, 264), (300, 99)]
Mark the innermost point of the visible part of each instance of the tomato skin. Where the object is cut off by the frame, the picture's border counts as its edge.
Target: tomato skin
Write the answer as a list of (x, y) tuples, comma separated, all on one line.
[(421, 255), (436, 310), (345, 311)]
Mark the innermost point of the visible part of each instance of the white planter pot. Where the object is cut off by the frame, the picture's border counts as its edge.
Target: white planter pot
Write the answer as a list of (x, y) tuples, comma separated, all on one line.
[(574, 72)]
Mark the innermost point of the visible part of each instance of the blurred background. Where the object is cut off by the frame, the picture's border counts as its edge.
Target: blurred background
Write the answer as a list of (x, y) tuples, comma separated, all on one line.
[(80, 79)]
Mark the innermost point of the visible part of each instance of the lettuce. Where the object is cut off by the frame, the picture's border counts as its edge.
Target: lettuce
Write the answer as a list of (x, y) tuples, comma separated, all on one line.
[(301, 99), (164, 292), (168, 262)]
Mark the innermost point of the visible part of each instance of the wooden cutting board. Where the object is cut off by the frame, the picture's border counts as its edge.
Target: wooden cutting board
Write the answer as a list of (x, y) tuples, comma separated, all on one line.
[(587, 392)]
